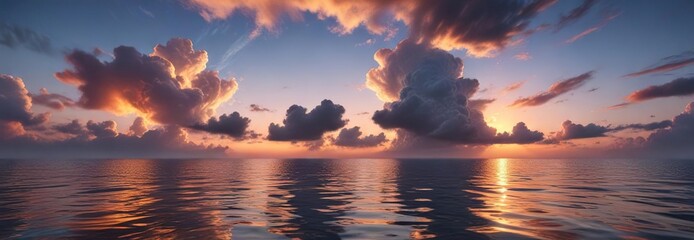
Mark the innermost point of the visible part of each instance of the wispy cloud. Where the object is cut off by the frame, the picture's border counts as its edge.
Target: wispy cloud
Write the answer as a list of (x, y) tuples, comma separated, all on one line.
[(14, 36), (554, 91), (524, 56), (667, 64), (593, 29)]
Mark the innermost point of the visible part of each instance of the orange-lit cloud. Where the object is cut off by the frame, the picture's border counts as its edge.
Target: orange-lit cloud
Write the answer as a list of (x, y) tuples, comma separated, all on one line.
[(524, 56), (170, 86), (592, 29), (52, 100), (554, 91), (480, 27), (678, 87)]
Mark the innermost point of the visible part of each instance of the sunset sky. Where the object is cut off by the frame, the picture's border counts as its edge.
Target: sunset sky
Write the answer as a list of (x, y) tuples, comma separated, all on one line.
[(437, 78)]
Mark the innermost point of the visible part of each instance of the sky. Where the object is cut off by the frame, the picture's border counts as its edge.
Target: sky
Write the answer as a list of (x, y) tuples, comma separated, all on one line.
[(234, 78)]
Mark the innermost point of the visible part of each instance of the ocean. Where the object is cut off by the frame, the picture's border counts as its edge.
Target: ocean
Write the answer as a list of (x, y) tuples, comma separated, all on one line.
[(347, 199)]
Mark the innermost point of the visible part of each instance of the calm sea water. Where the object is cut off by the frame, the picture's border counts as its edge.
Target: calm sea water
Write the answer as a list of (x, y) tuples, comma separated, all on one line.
[(347, 199)]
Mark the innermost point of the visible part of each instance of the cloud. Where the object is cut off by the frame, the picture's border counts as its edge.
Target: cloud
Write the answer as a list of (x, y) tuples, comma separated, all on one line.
[(554, 91), (513, 87), (480, 27), (232, 125), (52, 100), (679, 136), (667, 64), (575, 14), (73, 128), (571, 130), (15, 36), (594, 28), (647, 126), (258, 108), (524, 56), (434, 99), (674, 141), (97, 140), (388, 79), (187, 62), (520, 134), (167, 87), (138, 128), (15, 103), (351, 137), (677, 87), (479, 104), (302, 126)]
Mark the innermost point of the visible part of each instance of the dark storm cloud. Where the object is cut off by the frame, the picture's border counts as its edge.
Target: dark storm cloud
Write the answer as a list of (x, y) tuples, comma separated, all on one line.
[(667, 64), (481, 27), (15, 102), (258, 108), (52, 100), (557, 89), (575, 14), (233, 125), (302, 126), (15, 36), (352, 137), (167, 87), (434, 99)]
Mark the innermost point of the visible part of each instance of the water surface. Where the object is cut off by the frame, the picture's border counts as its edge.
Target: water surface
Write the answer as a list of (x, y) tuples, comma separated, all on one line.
[(347, 199)]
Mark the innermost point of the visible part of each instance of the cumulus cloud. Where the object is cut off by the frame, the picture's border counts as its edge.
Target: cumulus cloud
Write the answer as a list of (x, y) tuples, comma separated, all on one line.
[(187, 62), (13, 36), (520, 134), (258, 108), (675, 141), (352, 137), (52, 100), (557, 89), (479, 26), (138, 128), (233, 125), (575, 14), (434, 99), (667, 64), (15, 103), (302, 126), (679, 136), (676, 88), (571, 130), (150, 85)]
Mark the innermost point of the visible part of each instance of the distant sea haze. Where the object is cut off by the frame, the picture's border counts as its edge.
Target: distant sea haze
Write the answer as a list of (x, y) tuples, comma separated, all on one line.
[(346, 199)]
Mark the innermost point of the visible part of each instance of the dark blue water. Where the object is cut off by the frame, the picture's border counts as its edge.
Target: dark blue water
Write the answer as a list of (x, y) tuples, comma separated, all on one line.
[(347, 199)]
